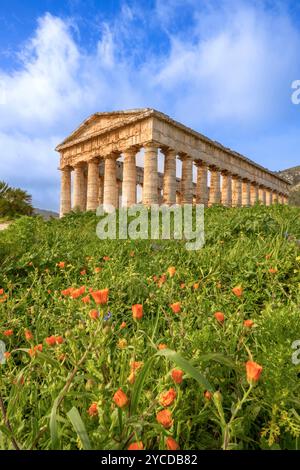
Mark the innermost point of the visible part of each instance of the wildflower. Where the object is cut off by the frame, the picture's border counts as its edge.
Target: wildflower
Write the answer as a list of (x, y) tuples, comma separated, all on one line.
[(171, 444), (107, 316), (137, 311), (2, 300), (67, 292), (182, 285), (8, 332), (164, 418), (7, 355), (122, 343), (268, 256), (33, 351), (136, 446), (253, 371), (177, 375), (106, 258), (76, 293), (248, 323), (162, 280), (196, 285), (51, 340), (61, 264), (83, 272), (219, 285), (132, 254), (167, 398), (238, 291), (94, 314), (162, 346), (59, 339), (28, 335), (1, 291), (86, 299), (155, 278), (171, 271), (120, 398), (97, 270), (219, 316), (123, 325), (273, 270), (100, 296), (93, 409), (136, 365), (176, 307), (207, 395)]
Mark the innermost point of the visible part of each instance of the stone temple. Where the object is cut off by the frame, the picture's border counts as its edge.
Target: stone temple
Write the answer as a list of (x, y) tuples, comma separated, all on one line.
[(98, 166)]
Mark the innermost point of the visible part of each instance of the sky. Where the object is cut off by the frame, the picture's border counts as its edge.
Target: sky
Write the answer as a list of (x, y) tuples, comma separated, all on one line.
[(223, 67)]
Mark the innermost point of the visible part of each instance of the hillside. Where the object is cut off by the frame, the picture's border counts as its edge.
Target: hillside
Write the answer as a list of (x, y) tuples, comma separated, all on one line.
[(293, 176)]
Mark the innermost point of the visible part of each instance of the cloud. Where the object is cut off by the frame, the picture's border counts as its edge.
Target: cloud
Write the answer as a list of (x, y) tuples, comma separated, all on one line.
[(227, 71)]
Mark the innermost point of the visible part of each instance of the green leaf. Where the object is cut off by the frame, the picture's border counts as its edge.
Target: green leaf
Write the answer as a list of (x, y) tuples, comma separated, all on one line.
[(217, 357), (53, 424), (186, 366), (79, 427), (138, 386)]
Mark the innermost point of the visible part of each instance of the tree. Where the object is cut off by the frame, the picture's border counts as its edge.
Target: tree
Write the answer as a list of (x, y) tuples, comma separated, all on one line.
[(14, 201)]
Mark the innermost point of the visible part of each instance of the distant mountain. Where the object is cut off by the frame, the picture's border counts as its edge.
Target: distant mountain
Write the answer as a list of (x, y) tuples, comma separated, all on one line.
[(293, 176), (45, 214)]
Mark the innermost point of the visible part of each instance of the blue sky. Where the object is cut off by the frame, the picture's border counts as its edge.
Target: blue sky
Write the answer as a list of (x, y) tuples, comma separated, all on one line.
[(223, 67)]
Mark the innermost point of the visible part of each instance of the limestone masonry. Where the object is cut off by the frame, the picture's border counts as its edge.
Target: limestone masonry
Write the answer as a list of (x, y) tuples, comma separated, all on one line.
[(91, 153)]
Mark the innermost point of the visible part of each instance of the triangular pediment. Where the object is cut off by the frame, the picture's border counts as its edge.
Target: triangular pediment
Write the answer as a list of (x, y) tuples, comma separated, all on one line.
[(100, 122)]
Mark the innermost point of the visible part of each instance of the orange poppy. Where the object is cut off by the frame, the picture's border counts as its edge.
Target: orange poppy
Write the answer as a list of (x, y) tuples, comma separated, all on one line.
[(196, 285), (207, 395), (171, 444), (83, 272), (162, 346), (171, 271), (273, 270), (136, 365), (1, 291), (51, 340), (248, 323), (106, 258), (164, 418), (131, 378), (182, 285), (7, 355), (28, 335), (167, 398), (61, 264), (136, 446), (238, 291), (94, 314), (253, 371), (177, 375), (123, 325), (162, 280), (176, 307), (93, 409), (8, 332), (86, 299), (219, 316), (59, 339), (100, 296), (97, 270), (120, 398), (137, 311)]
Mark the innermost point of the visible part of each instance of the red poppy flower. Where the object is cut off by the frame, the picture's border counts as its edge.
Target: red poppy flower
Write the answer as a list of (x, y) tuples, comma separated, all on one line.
[(100, 296), (248, 323), (176, 307), (177, 375), (136, 446), (8, 332), (219, 316), (120, 398), (253, 371), (93, 410), (137, 311), (171, 444), (164, 418), (167, 398)]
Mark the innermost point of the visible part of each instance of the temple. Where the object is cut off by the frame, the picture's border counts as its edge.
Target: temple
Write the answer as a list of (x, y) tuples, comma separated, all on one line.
[(98, 166)]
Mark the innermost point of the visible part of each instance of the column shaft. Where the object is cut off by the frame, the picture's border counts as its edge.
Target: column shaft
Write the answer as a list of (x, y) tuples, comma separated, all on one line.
[(253, 194), (110, 181), (65, 191), (236, 191), (93, 185), (129, 178), (150, 176), (187, 180), (79, 187), (226, 197), (201, 187), (169, 189), (246, 193), (268, 197), (215, 188)]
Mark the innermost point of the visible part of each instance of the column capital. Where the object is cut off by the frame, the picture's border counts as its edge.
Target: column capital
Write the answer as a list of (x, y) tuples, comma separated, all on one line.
[(151, 145), (131, 151), (169, 151), (79, 165), (214, 168), (201, 164), (94, 160), (66, 168)]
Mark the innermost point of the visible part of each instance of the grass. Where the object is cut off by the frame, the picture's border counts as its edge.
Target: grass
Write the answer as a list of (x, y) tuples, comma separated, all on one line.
[(63, 397)]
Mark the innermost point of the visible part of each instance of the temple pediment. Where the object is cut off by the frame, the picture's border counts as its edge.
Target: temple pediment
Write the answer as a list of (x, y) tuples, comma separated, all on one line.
[(98, 123)]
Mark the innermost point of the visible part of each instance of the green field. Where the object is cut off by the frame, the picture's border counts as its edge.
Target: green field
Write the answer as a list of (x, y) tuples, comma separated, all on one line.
[(61, 394)]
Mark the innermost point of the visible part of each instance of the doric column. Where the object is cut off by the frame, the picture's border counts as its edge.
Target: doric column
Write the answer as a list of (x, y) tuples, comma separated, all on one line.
[(268, 197), (253, 193), (150, 175), (79, 187), (101, 189), (246, 193), (215, 188), (275, 197), (178, 198), (286, 199), (226, 197), (93, 185), (119, 194), (187, 180), (110, 180), (282, 199), (262, 195), (129, 178), (201, 187), (236, 191), (169, 189), (65, 191)]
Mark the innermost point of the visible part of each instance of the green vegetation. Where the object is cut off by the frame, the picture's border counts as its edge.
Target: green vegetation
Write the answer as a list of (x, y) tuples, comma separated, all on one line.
[(67, 355), (13, 202)]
